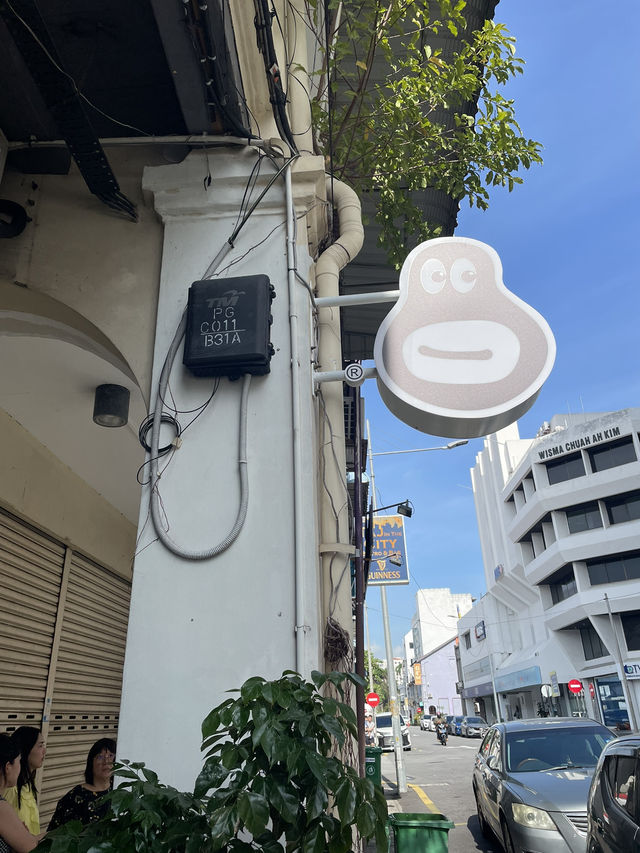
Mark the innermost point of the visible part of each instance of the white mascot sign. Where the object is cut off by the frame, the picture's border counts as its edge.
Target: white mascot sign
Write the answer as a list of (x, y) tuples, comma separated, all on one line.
[(459, 355)]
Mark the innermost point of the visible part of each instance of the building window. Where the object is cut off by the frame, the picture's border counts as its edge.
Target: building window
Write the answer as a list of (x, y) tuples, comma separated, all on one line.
[(631, 627), (583, 517), (612, 454), (614, 568), (613, 703), (567, 468), (562, 584), (592, 645), (467, 639), (621, 508)]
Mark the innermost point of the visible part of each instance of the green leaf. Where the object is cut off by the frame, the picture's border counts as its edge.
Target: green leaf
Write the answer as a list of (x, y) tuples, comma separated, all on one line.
[(317, 801), (223, 826), (317, 766), (346, 801), (314, 840), (366, 820), (210, 723), (282, 799), (253, 811)]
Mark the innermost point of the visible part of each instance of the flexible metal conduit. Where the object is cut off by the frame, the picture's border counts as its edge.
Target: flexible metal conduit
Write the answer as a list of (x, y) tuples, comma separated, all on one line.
[(156, 516)]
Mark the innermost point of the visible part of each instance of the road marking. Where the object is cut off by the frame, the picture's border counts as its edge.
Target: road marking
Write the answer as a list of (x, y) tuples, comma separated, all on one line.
[(431, 806)]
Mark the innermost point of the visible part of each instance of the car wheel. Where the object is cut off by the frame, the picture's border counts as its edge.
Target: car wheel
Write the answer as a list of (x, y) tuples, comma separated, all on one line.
[(507, 843), (484, 826)]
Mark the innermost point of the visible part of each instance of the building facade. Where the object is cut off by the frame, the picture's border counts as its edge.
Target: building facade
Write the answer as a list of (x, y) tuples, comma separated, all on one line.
[(558, 631), (432, 628), (193, 569)]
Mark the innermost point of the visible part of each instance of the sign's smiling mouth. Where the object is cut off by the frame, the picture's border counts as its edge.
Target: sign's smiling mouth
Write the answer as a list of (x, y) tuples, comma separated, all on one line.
[(462, 352), (439, 353)]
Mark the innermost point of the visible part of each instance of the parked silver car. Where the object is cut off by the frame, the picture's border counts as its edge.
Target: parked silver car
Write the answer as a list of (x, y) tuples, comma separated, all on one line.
[(531, 780), (473, 727), (427, 722), (384, 732)]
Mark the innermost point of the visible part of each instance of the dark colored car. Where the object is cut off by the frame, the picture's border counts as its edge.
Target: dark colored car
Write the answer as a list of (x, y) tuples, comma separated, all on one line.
[(531, 781), (454, 725), (473, 727), (614, 799)]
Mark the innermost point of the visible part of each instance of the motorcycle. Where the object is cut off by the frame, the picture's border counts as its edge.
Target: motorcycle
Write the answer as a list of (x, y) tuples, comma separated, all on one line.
[(441, 731)]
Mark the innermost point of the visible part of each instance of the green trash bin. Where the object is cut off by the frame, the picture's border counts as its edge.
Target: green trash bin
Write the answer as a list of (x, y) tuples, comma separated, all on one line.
[(372, 764), (420, 833)]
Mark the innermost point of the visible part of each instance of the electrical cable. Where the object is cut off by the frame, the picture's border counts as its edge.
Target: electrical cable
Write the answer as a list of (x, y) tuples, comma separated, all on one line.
[(278, 98), (200, 26), (59, 68), (155, 499), (160, 525)]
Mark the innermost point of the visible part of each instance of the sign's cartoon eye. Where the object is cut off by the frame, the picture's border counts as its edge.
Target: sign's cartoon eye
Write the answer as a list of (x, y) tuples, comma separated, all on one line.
[(463, 275), (433, 275)]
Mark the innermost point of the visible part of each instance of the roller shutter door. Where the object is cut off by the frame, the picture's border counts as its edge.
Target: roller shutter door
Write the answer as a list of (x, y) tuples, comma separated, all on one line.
[(63, 627), (86, 694), (30, 577)]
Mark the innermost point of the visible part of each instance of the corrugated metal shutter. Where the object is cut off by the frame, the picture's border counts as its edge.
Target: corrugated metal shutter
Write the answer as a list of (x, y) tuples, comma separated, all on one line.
[(63, 628), (86, 694), (30, 577)]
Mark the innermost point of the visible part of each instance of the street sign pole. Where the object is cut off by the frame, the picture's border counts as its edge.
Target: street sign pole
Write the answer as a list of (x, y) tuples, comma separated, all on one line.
[(401, 775)]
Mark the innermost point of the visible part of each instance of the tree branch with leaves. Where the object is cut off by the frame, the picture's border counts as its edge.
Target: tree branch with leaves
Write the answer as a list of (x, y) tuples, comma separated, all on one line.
[(408, 98)]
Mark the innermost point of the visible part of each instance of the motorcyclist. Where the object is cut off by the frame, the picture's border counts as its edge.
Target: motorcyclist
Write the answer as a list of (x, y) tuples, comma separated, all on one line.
[(441, 730)]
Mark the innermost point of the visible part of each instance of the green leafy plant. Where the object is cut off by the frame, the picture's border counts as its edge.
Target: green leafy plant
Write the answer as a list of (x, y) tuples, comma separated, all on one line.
[(272, 781), (397, 109)]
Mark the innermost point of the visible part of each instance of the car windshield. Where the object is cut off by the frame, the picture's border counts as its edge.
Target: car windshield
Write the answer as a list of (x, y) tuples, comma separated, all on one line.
[(561, 748), (383, 721), (476, 721)]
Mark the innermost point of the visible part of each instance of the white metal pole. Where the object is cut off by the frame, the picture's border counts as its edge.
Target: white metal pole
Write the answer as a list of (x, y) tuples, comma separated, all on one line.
[(366, 622), (401, 776), (623, 676), (493, 685)]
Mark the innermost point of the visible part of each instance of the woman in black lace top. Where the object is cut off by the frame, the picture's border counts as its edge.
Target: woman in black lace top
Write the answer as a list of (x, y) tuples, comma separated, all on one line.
[(86, 802)]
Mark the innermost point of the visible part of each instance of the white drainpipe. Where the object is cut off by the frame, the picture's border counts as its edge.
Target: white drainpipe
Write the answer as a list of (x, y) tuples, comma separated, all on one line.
[(334, 537)]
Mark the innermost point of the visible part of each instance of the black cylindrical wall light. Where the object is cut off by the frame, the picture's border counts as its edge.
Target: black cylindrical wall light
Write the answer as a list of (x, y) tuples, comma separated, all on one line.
[(111, 406)]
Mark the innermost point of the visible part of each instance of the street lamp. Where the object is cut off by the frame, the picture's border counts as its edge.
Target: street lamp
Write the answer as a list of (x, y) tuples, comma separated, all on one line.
[(449, 446), (407, 510)]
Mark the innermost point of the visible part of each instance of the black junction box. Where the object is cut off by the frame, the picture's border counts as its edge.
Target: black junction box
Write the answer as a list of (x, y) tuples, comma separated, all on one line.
[(228, 326)]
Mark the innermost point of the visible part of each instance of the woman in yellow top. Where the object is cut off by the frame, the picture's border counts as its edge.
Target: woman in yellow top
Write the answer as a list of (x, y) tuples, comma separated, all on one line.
[(23, 796), (14, 838)]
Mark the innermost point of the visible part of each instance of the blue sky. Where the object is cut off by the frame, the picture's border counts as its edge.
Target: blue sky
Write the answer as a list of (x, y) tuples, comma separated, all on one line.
[(569, 240)]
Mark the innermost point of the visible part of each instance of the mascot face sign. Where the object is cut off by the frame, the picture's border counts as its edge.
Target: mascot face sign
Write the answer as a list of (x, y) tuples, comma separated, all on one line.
[(459, 355)]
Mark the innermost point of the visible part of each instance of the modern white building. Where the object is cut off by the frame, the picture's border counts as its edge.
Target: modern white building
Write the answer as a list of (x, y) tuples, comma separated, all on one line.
[(559, 523), (434, 626), (436, 618)]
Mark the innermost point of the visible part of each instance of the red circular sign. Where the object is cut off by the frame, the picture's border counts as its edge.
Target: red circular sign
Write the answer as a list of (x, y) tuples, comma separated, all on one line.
[(575, 686), (372, 699), (592, 690)]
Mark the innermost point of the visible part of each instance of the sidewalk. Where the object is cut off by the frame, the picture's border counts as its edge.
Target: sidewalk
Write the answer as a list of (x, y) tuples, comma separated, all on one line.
[(407, 802)]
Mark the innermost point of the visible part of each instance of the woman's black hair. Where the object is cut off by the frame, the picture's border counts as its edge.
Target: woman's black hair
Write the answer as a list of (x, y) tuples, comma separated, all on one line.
[(9, 751), (100, 745), (26, 737)]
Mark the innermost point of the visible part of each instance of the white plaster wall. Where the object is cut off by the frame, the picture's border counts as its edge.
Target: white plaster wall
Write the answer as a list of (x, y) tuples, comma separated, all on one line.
[(198, 629), (84, 255), (39, 488), (436, 616)]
